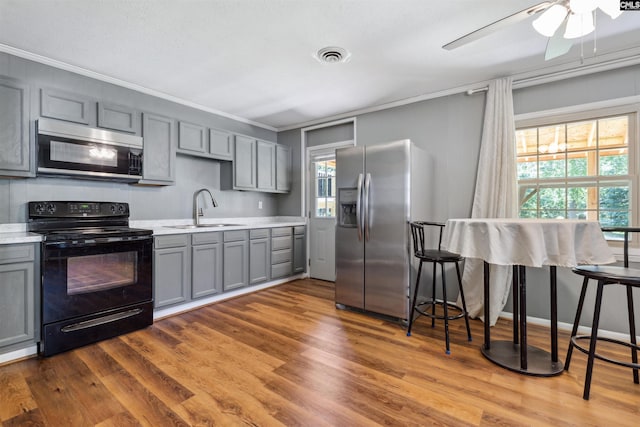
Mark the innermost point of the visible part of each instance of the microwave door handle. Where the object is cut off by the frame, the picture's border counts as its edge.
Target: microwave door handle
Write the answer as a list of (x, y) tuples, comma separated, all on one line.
[(367, 214), (358, 208)]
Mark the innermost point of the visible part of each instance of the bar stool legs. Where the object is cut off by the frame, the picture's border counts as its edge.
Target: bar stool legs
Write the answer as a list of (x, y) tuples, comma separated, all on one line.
[(415, 307)]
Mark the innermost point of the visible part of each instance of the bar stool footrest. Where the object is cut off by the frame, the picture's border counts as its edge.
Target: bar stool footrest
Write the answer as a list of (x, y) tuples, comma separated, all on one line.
[(575, 339), (426, 304)]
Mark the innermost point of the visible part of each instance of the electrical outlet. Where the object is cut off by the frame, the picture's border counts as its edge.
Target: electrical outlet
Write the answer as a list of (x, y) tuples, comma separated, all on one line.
[(259, 204)]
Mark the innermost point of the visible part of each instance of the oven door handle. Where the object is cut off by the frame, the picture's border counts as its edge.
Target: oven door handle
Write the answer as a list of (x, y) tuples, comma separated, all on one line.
[(95, 241), (101, 320)]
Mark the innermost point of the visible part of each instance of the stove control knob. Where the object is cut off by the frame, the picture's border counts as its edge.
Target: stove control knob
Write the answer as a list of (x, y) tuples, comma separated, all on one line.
[(122, 209), (51, 208), (113, 209), (40, 208)]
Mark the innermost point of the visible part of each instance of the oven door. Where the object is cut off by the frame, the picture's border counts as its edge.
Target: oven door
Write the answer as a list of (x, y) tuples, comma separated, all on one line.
[(85, 277)]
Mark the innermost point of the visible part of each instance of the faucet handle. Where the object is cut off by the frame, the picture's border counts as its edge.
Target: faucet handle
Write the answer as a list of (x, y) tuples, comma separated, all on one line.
[(200, 212)]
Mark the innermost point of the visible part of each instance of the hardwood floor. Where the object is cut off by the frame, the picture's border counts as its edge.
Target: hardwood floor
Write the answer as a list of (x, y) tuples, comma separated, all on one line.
[(286, 356)]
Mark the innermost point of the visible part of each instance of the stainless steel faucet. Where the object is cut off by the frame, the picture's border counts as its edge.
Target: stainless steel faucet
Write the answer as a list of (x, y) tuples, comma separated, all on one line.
[(197, 212)]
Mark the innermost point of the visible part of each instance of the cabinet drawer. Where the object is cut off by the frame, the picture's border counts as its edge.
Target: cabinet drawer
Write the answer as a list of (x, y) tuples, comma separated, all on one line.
[(16, 253), (298, 229), (170, 241), (280, 243), (235, 236), (278, 257), (281, 231), (203, 238), (259, 233), (281, 270)]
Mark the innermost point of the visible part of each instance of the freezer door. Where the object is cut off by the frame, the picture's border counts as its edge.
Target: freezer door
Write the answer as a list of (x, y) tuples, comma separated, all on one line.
[(349, 245), (386, 204)]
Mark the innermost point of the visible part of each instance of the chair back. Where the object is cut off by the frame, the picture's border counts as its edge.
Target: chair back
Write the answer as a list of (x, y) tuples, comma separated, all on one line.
[(626, 231), (417, 233)]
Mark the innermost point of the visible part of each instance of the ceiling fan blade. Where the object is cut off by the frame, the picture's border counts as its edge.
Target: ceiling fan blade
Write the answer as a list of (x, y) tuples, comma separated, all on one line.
[(495, 26), (557, 44)]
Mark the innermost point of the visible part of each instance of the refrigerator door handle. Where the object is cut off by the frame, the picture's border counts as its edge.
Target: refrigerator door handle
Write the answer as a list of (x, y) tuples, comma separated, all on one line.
[(358, 210), (367, 219)]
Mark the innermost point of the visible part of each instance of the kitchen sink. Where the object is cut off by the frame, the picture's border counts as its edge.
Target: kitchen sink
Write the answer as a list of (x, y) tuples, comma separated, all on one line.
[(191, 226)]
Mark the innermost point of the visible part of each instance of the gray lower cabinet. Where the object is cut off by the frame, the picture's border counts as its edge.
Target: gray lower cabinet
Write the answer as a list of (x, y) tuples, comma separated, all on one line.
[(206, 264), (281, 252), (236, 259), (283, 168), (19, 296), (259, 255), (171, 269), (159, 161), (15, 148), (299, 250)]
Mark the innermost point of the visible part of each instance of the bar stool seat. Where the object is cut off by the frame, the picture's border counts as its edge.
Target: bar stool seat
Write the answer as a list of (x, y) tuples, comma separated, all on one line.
[(442, 257), (606, 275)]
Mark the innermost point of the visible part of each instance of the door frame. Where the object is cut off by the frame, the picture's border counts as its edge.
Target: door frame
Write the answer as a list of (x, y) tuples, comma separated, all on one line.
[(305, 157)]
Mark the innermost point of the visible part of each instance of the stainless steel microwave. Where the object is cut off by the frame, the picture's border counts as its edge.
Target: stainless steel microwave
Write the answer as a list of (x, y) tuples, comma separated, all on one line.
[(70, 150)]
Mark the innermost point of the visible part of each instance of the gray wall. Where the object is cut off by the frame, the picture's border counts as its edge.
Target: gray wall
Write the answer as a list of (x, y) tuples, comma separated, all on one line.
[(170, 202), (450, 128)]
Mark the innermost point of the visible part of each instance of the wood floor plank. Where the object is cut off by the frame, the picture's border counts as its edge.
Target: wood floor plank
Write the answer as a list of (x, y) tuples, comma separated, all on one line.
[(285, 356)]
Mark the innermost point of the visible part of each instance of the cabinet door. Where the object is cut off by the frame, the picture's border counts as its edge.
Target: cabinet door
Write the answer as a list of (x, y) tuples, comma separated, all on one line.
[(17, 303), (64, 106), (14, 128), (283, 168), (170, 276), (206, 274), (117, 117), (259, 264), (244, 163), (236, 265), (221, 144), (159, 161), (192, 137), (266, 154), (299, 253)]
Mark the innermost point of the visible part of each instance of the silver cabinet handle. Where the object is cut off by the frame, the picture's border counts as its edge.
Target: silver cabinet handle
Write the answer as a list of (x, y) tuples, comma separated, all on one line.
[(358, 212)]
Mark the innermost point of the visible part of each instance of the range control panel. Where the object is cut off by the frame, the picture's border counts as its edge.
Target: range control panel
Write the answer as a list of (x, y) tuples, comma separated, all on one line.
[(58, 209)]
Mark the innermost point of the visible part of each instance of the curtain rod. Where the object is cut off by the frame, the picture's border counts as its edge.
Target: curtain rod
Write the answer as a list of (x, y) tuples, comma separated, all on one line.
[(565, 74)]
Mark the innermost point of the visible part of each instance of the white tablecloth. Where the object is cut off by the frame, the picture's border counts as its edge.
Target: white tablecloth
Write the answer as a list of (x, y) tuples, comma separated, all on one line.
[(514, 241), (528, 242)]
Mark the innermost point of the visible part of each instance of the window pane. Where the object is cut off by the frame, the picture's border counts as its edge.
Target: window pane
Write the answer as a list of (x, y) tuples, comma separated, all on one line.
[(527, 141), (552, 202), (581, 135), (551, 139), (528, 198), (612, 132), (527, 167), (614, 162), (524, 213), (577, 198), (577, 164), (552, 167)]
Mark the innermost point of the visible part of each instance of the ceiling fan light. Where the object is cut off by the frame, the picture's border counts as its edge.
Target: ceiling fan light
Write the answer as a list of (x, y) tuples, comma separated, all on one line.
[(550, 20), (579, 25), (610, 7), (582, 6)]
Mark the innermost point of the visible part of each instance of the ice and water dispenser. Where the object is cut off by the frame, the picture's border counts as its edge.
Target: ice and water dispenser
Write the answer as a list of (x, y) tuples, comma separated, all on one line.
[(348, 201)]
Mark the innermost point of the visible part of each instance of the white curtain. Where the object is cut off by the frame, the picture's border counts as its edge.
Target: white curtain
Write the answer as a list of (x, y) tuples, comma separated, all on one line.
[(495, 195)]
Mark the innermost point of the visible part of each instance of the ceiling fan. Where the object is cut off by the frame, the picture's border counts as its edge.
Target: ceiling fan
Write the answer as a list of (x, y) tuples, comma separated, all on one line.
[(560, 20)]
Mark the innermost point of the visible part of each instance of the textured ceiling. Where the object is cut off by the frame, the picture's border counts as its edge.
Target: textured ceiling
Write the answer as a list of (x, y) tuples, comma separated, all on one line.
[(253, 59)]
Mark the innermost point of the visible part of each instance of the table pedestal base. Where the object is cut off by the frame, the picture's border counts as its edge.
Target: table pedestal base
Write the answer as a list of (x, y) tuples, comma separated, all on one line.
[(507, 355)]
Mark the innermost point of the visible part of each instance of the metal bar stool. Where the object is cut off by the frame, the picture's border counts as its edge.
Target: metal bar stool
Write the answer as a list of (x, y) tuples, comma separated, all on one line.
[(606, 275), (436, 256)]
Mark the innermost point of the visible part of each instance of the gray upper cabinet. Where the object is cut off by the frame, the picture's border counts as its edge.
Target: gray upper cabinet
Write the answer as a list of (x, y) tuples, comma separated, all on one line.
[(192, 138), (221, 144), (159, 161), (15, 148), (64, 106), (117, 117), (18, 296), (244, 163), (283, 168), (266, 165)]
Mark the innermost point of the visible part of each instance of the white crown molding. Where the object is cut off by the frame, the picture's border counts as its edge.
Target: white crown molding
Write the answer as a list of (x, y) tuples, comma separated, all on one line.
[(94, 75)]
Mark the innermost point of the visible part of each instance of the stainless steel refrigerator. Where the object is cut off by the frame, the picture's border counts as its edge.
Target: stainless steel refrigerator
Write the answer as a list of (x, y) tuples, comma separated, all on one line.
[(380, 188)]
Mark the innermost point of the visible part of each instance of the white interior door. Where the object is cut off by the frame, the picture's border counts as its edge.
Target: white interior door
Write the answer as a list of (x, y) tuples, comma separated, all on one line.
[(322, 217)]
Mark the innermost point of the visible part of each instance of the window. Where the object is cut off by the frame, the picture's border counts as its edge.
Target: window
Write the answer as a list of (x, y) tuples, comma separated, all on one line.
[(325, 197), (583, 167)]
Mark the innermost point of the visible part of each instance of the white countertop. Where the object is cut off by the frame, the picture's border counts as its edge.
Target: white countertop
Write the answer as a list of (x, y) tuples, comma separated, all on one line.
[(17, 233)]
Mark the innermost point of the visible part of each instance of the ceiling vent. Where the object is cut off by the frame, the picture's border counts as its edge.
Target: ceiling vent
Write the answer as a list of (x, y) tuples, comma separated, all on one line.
[(332, 54)]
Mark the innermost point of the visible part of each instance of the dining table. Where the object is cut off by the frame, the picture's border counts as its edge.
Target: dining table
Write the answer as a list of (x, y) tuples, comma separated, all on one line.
[(521, 243)]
